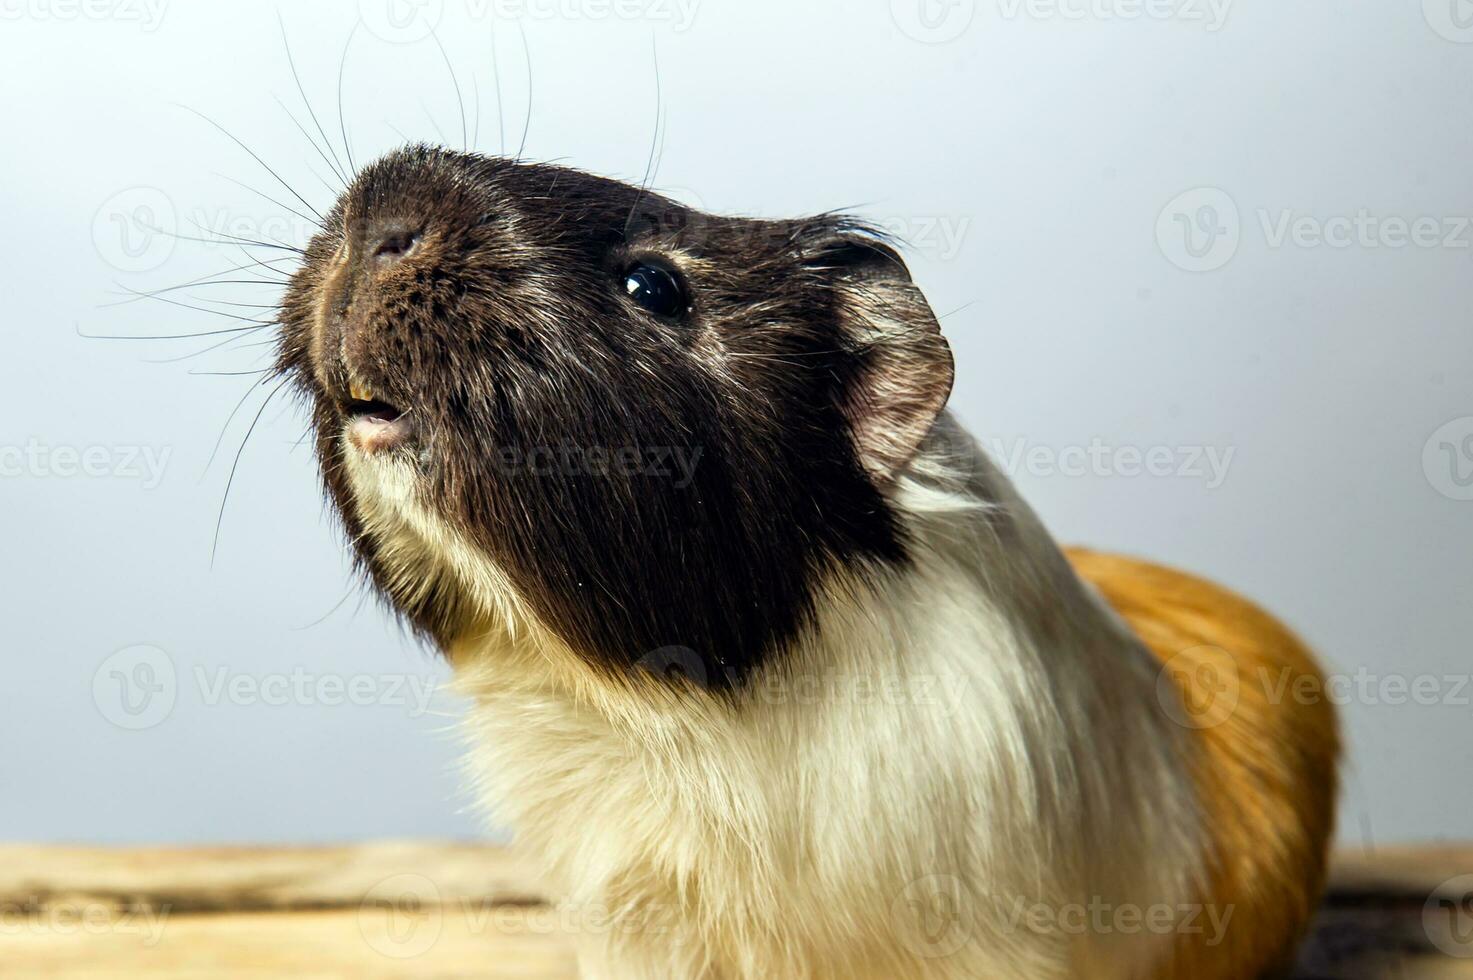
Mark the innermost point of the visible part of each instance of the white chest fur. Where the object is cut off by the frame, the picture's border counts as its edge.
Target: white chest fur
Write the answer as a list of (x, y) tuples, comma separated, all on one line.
[(948, 777)]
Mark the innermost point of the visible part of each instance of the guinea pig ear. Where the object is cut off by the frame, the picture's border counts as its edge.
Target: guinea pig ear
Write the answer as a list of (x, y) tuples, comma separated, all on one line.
[(903, 372)]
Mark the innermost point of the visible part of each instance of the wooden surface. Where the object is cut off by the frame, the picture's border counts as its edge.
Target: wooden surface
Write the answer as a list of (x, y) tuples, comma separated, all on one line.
[(421, 910)]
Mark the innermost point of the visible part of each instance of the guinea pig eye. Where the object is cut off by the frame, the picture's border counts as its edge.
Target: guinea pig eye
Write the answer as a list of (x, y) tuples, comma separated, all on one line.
[(656, 288)]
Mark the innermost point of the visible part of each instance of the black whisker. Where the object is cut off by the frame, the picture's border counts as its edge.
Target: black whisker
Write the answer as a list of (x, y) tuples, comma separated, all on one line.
[(475, 112), (199, 353), (268, 197), (308, 137), (136, 295), (225, 239), (433, 124), (176, 336), (205, 309), (527, 119), (336, 606), (291, 62), (247, 306), (320, 220), (464, 137), (343, 129), (253, 263), (230, 481), (654, 141), (496, 80), (215, 450), (327, 184)]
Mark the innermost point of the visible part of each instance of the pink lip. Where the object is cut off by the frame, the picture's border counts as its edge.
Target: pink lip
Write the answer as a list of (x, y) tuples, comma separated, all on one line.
[(376, 432)]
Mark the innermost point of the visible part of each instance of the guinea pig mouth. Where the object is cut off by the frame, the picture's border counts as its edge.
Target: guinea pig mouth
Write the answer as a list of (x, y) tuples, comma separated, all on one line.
[(376, 426)]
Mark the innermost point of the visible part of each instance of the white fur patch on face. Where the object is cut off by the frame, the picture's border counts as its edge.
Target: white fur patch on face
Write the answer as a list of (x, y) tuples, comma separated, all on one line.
[(418, 548)]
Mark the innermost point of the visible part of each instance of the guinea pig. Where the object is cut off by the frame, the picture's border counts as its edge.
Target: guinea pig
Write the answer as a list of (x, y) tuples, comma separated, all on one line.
[(773, 673)]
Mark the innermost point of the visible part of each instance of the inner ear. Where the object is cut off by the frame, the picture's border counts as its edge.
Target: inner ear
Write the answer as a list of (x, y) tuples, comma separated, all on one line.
[(903, 371)]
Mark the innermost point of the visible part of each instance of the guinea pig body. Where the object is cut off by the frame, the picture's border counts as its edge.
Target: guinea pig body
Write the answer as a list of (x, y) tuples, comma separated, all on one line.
[(832, 703)]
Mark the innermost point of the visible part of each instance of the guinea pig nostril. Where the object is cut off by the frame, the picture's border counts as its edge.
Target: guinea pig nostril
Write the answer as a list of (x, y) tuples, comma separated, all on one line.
[(394, 246)]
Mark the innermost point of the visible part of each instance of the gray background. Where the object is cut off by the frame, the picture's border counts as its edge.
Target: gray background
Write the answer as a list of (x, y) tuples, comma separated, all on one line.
[(1046, 163)]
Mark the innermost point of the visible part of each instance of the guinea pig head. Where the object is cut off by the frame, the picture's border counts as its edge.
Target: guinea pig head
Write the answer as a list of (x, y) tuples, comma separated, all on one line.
[(540, 393)]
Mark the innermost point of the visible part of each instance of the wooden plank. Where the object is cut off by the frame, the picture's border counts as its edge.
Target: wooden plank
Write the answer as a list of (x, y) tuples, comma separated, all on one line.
[(425, 909), (314, 945), (257, 878)]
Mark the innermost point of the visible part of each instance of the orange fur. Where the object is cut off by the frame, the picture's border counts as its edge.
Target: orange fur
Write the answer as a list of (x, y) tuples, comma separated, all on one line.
[(1266, 744)]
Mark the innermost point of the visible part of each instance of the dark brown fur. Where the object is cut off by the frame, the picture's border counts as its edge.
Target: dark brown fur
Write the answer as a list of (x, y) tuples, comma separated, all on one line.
[(806, 370)]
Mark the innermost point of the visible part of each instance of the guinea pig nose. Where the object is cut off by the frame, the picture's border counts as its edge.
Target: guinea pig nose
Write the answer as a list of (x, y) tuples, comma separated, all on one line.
[(393, 246)]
